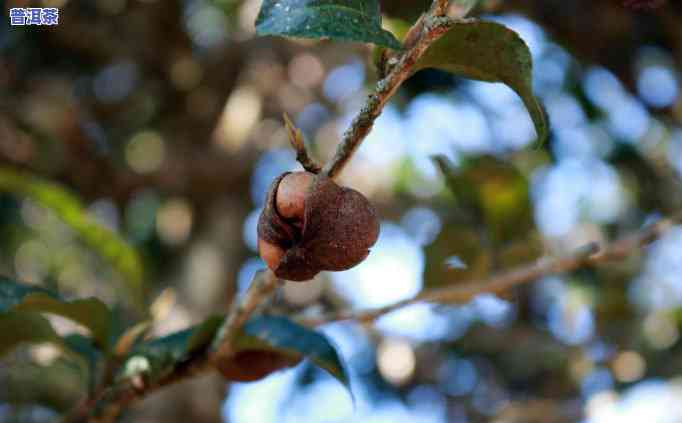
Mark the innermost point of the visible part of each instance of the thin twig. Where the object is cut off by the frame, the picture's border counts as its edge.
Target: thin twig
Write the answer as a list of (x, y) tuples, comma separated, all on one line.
[(298, 144), (434, 25), (591, 254)]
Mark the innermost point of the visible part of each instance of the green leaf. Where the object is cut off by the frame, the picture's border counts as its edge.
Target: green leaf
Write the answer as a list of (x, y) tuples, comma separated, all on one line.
[(280, 334), (18, 328), (84, 347), (123, 257), (488, 51), (89, 312), (204, 333), (342, 20), (159, 357)]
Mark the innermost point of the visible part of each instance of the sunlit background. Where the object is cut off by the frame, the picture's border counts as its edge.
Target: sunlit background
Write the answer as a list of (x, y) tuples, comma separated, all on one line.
[(165, 118)]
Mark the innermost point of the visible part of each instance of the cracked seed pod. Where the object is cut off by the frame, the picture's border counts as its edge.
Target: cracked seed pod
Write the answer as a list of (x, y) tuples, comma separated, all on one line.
[(248, 366), (310, 224)]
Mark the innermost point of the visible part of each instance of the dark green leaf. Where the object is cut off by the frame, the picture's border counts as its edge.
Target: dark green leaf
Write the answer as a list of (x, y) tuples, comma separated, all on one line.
[(17, 328), (89, 312), (488, 51), (163, 354), (84, 347), (342, 20), (68, 208), (204, 333), (280, 334), (159, 357)]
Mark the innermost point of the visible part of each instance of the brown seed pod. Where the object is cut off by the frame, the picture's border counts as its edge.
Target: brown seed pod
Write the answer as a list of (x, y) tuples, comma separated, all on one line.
[(248, 366), (338, 227)]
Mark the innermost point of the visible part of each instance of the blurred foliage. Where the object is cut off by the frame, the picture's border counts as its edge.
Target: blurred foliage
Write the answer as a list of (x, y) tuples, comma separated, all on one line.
[(68, 208), (25, 327), (91, 313)]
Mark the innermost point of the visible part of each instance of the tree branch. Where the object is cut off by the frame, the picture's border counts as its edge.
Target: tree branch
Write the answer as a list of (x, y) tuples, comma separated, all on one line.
[(110, 401), (590, 254), (431, 27), (262, 287), (114, 399)]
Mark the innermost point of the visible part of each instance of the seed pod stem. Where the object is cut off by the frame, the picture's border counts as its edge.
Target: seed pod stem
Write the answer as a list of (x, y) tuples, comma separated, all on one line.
[(298, 143)]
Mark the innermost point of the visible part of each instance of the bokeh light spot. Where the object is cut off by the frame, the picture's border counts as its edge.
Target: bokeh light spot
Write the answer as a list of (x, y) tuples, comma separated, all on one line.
[(396, 361), (145, 152), (174, 221)]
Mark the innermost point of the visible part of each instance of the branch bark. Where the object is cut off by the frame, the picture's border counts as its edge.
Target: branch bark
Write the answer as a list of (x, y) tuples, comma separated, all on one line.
[(431, 26), (591, 254), (261, 289)]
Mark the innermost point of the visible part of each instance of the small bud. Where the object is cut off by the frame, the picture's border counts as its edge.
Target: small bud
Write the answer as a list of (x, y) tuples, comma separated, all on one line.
[(310, 224)]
